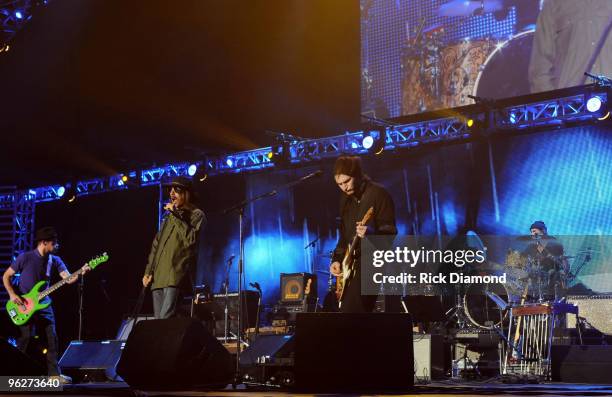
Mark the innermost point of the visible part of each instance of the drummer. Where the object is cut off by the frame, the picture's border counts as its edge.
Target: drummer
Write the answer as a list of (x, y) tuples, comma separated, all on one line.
[(546, 254)]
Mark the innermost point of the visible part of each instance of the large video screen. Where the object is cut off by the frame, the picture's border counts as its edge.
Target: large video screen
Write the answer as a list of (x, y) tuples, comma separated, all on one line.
[(423, 55)]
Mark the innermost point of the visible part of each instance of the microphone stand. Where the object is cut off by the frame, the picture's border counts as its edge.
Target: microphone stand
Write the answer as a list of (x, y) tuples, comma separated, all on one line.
[(81, 289), (226, 310), (240, 209)]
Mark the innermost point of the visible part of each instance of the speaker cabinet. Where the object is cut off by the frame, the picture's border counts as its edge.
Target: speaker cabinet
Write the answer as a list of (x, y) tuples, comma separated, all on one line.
[(354, 351), (174, 354), (582, 364), (92, 361), (14, 363)]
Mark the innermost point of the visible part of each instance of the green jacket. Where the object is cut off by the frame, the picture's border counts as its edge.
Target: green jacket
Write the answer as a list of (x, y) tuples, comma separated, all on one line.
[(174, 247)]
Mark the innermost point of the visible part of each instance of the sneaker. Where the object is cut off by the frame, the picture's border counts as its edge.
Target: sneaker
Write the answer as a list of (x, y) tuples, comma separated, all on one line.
[(64, 379)]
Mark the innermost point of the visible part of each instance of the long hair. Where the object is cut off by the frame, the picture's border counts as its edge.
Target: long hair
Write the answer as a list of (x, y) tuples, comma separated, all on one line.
[(349, 165)]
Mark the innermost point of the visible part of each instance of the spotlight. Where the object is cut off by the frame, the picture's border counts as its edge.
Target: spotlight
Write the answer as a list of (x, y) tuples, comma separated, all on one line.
[(70, 192), (469, 123), (229, 162), (60, 191), (125, 178), (594, 104), (368, 141), (280, 154), (18, 15), (44, 351), (191, 171)]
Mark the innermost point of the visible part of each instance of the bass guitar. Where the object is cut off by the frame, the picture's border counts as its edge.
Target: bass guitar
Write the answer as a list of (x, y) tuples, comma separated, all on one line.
[(348, 263), (35, 300)]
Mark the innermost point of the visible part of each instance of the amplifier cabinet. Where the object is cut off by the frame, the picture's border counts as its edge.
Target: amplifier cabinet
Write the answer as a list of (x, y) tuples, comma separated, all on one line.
[(596, 309)]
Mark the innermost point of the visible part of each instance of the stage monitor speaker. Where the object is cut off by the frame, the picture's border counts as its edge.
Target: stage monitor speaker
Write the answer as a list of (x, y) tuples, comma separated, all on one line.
[(582, 363), (174, 354), (14, 363), (92, 361), (269, 349), (354, 351), (126, 326)]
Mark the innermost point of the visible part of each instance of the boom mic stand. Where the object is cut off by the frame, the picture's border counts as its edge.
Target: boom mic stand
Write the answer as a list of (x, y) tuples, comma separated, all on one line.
[(240, 209)]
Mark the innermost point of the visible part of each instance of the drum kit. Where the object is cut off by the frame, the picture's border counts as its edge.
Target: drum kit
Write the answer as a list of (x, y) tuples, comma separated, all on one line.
[(532, 277), (442, 73)]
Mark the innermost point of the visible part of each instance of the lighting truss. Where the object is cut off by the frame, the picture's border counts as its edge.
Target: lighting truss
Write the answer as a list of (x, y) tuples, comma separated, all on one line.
[(547, 113), (23, 223), (521, 117)]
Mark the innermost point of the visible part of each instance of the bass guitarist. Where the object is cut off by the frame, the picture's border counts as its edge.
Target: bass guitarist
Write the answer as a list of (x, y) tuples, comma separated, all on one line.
[(359, 193), (34, 266)]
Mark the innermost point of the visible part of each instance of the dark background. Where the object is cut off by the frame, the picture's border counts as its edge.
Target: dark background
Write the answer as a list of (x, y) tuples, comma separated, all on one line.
[(96, 87)]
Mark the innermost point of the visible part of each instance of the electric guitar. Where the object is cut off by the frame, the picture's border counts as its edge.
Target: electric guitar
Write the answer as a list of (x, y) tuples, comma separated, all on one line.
[(35, 300), (348, 263)]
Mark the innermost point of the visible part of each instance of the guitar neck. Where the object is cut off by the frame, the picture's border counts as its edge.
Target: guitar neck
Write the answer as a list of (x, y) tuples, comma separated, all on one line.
[(59, 284)]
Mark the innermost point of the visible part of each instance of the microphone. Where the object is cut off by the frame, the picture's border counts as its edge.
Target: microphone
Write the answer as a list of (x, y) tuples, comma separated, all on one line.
[(256, 286), (312, 175)]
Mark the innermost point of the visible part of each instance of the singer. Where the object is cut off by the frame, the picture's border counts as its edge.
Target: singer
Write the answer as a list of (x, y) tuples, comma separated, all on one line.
[(174, 248)]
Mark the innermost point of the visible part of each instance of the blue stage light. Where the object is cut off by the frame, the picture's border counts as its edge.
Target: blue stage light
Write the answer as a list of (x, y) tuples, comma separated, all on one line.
[(367, 142), (192, 170), (594, 104), (229, 162), (18, 14), (60, 191), (513, 118)]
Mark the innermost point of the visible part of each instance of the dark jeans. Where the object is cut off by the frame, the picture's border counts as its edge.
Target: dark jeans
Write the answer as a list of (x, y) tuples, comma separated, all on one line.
[(42, 320), (164, 302)]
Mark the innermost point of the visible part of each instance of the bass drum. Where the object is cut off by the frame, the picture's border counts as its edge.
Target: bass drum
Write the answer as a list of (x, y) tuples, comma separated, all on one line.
[(480, 309), (504, 72)]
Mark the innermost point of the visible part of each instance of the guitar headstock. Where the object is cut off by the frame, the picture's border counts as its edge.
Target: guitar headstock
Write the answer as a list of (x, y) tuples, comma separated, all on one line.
[(307, 288), (93, 263)]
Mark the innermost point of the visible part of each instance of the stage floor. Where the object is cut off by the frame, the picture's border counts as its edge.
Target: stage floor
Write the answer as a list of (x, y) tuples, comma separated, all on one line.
[(447, 388)]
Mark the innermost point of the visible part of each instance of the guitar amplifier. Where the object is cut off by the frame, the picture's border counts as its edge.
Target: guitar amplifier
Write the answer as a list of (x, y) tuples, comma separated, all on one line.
[(213, 312), (294, 287), (596, 309)]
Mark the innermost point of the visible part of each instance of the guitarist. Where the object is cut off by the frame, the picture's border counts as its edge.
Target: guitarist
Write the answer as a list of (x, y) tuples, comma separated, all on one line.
[(34, 266), (359, 193)]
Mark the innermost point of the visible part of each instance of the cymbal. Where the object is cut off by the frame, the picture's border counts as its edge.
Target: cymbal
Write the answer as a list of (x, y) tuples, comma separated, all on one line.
[(464, 8)]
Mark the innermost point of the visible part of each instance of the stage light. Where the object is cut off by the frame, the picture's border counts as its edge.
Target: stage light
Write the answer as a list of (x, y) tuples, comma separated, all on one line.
[(280, 154), (125, 178), (469, 123), (354, 145), (70, 193), (513, 118), (192, 169), (229, 162), (594, 104), (44, 351), (60, 191), (18, 14), (368, 142)]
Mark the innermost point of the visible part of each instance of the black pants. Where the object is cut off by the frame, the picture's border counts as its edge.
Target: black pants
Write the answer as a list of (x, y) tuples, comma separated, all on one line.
[(43, 320), (353, 301)]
